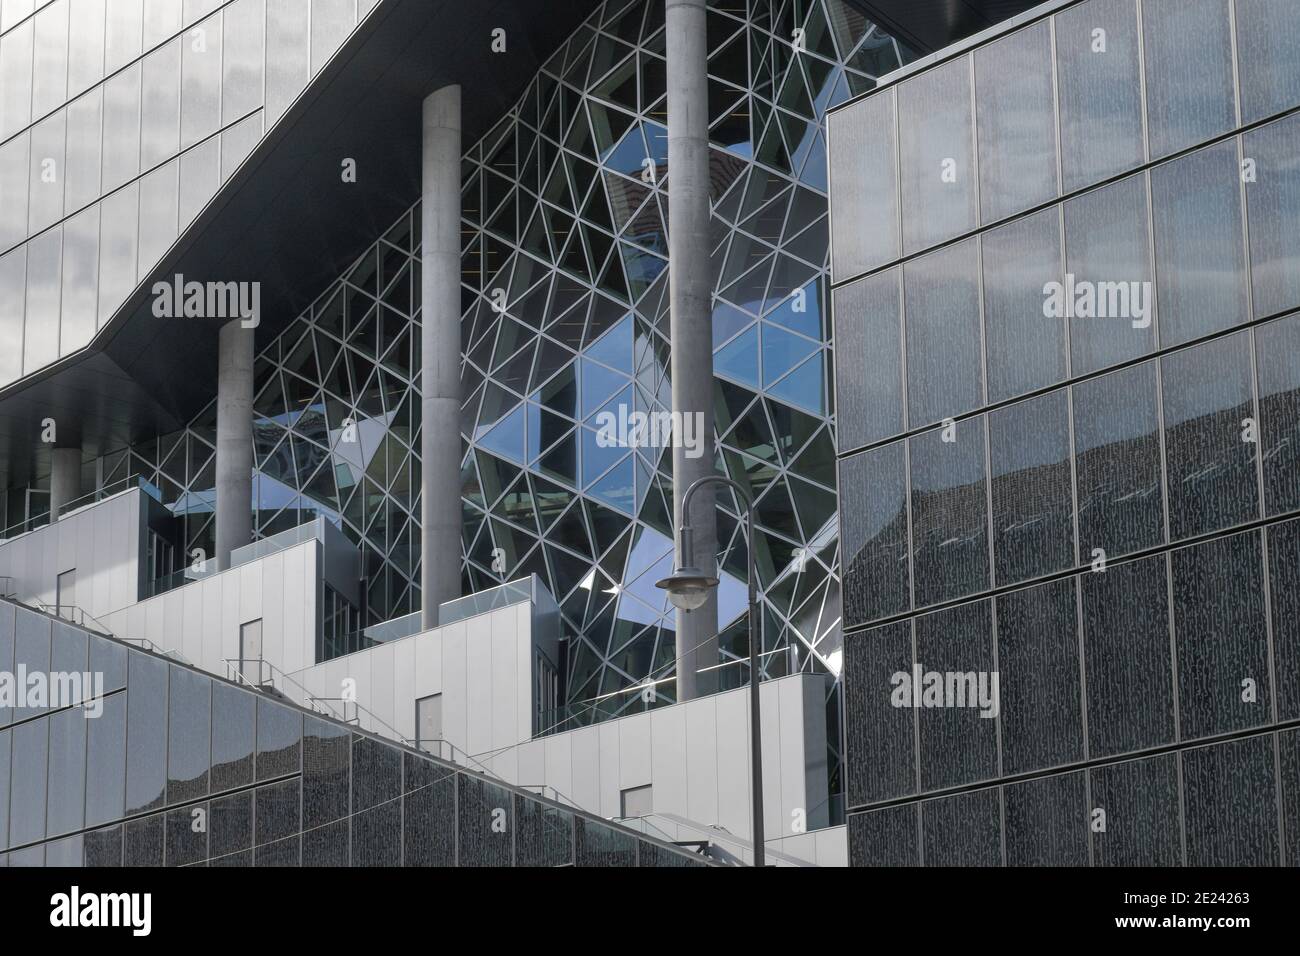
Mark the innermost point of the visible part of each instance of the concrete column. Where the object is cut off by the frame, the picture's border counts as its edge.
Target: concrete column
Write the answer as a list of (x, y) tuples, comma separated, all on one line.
[(440, 517), (691, 289), (65, 479), (234, 441)]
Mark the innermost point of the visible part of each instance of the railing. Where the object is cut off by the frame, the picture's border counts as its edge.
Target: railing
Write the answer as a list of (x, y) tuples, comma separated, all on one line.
[(170, 582), (108, 491), (8, 588), (503, 595), (308, 531), (75, 615), (265, 674)]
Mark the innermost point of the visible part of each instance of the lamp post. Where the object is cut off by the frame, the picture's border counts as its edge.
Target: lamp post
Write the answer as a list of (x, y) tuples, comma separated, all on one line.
[(688, 588)]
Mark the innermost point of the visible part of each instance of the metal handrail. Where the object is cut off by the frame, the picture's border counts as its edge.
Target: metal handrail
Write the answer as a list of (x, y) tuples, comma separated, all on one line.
[(79, 617)]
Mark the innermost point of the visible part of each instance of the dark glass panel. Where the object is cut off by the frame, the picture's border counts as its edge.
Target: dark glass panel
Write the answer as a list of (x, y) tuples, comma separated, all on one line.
[(1126, 653), (1033, 495), (1230, 801), (957, 730), (233, 720), (145, 841), (1117, 463), (279, 739), (189, 735), (230, 823), (1140, 800), (187, 835), (545, 834), (483, 812), (950, 547), (598, 845), (377, 836), (106, 762), (376, 773), (146, 729), (869, 358), (429, 813), (1211, 473), (884, 837), (67, 788), (963, 830), (1284, 593), (944, 373), (277, 812), (873, 533), (880, 737), (31, 650), (1277, 352), (326, 768), (103, 848), (30, 743), (1187, 48), (1039, 677), (1047, 821)]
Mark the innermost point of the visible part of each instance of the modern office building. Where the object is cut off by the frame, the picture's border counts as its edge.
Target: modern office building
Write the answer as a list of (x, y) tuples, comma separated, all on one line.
[(1065, 280), (316, 315)]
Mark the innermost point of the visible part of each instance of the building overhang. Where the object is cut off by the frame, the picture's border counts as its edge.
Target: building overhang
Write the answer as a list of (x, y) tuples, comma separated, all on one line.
[(286, 218), (930, 25)]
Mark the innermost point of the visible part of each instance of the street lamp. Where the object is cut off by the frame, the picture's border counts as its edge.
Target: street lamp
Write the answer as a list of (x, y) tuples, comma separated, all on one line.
[(688, 588)]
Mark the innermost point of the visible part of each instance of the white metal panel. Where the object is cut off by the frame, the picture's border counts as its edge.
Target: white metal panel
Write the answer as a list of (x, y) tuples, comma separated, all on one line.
[(559, 764), (428, 663), (701, 760), (531, 767), (784, 786), (506, 680), (478, 674), (586, 769), (635, 760), (733, 762), (607, 767), (404, 687), (669, 760), (380, 699), (832, 846), (455, 715)]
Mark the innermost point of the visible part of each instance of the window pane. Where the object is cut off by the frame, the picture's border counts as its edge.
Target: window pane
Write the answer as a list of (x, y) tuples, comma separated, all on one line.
[(108, 658), (243, 53), (106, 762), (1026, 349), (158, 211), (1277, 351), (201, 81), (958, 744), (949, 513), (103, 848), (1222, 640), (1108, 254), (67, 792), (85, 45), (429, 813), (886, 837), (863, 165), (331, 22), (145, 841), (15, 177), (27, 782), (873, 516), (6, 663), (119, 228), (1211, 470), (937, 155), (6, 745), (1016, 109), (287, 55), (941, 293), (1033, 497), (881, 741), (122, 31), (50, 60), (279, 739), (160, 105), (1100, 91), (277, 813), (122, 128), (189, 730), (31, 650), (964, 830), (186, 845), (1126, 650), (15, 80), (80, 280), (162, 18), (1141, 801), (81, 169), (1273, 208), (1117, 463), (146, 728), (603, 846), (1230, 795), (232, 737), (1284, 592), (869, 357), (1042, 821), (1038, 677), (1188, 53), (1200, 257), (1268, 48), (483, 810), (326, 765), (545, 834), (230, 822), (45, 206), (44, 280), (13, 284)]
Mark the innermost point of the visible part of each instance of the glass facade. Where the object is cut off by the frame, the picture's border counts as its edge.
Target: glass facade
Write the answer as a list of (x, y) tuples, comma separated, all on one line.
[(1067, 442), (219, 775), (565, 295), (119, 120)]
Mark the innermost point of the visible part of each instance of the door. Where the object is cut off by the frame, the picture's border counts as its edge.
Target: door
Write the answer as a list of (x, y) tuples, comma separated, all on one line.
[(250, 651), (428, 724), (65, 595)]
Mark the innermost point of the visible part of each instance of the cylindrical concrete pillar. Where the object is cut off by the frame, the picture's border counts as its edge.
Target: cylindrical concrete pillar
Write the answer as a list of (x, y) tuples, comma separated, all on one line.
[(65, 479), (234, 441), (691, 329), (440, 510)]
